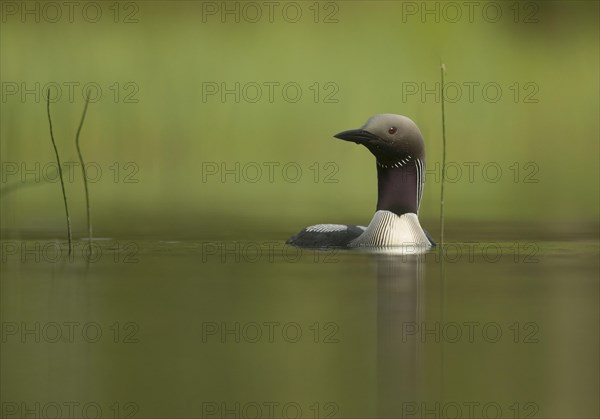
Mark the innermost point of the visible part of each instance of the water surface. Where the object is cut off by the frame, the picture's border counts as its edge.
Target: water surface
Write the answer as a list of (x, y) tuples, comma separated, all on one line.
[(169, 328)]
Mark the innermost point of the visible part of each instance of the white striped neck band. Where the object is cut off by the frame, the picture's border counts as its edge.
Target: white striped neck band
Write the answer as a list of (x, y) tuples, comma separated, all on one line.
[(400, 163)]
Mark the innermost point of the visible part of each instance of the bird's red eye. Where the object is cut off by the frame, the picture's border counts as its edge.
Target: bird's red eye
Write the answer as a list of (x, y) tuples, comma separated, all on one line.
[(392, 130)]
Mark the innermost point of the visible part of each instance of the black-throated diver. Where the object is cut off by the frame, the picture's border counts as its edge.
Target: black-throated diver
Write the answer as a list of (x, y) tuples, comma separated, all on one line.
[(399, 150)]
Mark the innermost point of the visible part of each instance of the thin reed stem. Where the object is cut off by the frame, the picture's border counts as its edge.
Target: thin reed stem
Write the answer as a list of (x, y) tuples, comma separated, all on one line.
[(443, 70), (60, 174), (85, 183)]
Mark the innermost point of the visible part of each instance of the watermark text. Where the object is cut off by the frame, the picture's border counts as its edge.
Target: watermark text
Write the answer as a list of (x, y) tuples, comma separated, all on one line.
[(269, 332), (70, 11)]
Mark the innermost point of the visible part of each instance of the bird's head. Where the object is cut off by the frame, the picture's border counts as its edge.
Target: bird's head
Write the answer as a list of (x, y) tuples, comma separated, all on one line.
[(391, 138)]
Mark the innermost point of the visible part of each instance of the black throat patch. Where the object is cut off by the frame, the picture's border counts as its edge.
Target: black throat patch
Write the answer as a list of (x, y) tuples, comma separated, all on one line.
[(400, 185)]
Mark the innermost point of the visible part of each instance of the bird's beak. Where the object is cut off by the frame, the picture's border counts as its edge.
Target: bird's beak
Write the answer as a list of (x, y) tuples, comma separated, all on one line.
[(358, 136)]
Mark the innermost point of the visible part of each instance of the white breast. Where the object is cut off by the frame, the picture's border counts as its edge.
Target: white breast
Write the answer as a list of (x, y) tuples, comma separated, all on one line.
[(389, 229)]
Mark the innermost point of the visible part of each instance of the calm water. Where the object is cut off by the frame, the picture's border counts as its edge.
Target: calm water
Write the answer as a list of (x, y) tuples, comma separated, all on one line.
[(191, 329)]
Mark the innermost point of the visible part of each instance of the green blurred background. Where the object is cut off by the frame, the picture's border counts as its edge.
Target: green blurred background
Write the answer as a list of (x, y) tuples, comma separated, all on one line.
[(370, 52), (152, 131)]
